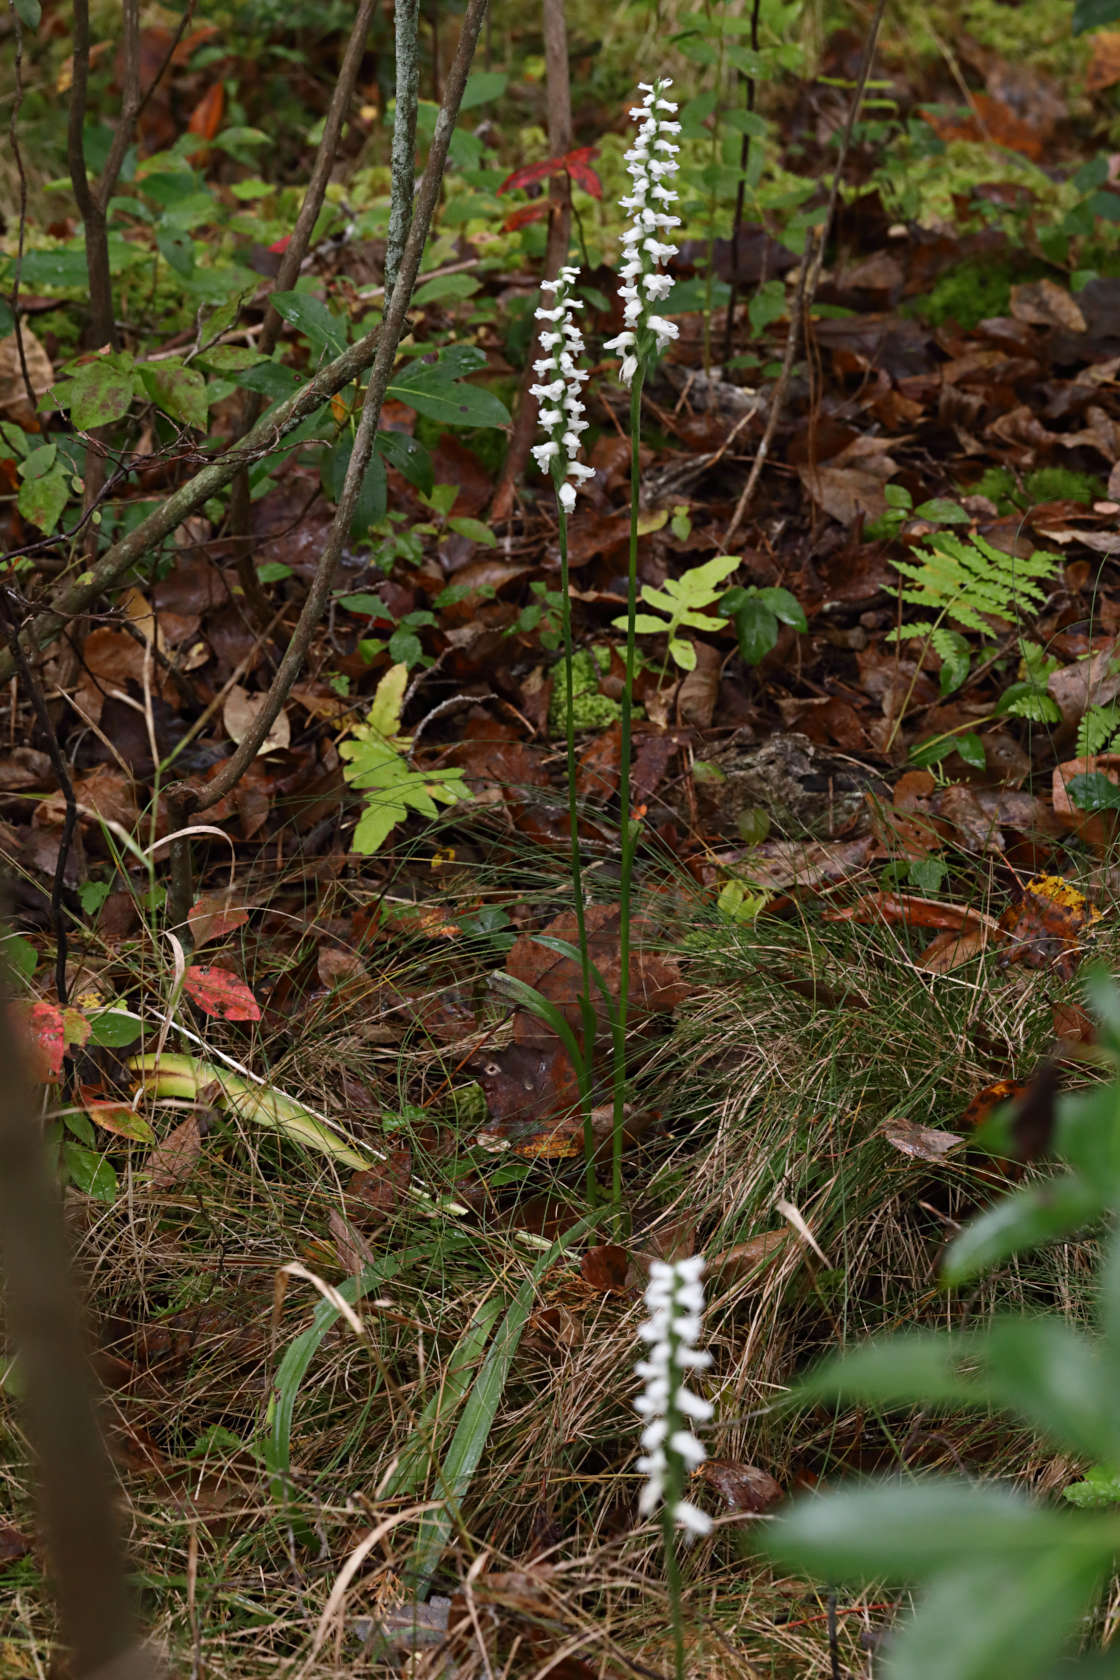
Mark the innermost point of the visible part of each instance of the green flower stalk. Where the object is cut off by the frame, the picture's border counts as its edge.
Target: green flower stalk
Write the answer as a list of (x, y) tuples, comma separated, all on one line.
[(561, 416), (652, 164), (675, 1299)]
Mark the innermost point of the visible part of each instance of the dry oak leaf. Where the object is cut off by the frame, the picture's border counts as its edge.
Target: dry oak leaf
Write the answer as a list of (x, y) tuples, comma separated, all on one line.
[(13, 390), (173, 1159), (240, 713)]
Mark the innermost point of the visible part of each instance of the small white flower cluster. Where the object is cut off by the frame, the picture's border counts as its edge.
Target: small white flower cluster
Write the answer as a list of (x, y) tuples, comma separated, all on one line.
[(652, 163), (675, 1298), (561, 413)]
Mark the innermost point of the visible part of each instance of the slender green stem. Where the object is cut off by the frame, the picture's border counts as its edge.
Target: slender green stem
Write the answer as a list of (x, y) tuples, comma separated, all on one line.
[(629, 828), (673, 1576), (674, 1492), (583, 1070)]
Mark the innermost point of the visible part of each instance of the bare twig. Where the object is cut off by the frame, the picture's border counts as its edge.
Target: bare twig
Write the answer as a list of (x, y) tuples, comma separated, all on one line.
[(556, 254), (740, 191), (186, 798), (286, 277), (265, 438), (406, 18), (21, 232), (66, 785), (76, 1484), (811, 260)]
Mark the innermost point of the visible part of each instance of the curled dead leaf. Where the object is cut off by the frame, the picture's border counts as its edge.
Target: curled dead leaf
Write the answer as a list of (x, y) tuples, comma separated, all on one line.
[(921, 1143), (742, 1487), (241, 710)]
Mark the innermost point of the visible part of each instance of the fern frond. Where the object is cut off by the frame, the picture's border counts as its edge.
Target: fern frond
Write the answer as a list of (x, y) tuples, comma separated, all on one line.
[(970, 581), (1098, 730)]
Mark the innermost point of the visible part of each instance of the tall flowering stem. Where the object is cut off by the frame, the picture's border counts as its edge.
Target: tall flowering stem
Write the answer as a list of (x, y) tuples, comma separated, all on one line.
[(651, 163), (560, 379), (675, 1301)]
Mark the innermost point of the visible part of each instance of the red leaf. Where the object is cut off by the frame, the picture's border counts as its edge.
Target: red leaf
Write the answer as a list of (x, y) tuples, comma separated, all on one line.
[(576, 164), (217, 992), (206, 118), (584, 176), (213, 916), (53, 1031), (527, 213)]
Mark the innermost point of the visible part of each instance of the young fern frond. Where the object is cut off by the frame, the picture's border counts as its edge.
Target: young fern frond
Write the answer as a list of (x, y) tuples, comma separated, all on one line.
[(1098, 730), (969, 581)]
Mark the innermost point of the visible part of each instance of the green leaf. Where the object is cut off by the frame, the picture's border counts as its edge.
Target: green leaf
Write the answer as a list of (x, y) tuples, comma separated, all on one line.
[(42, 500), (18, 954), (1051, 1375), (1094, 14), (180, 391), (482, 86), (100, 392), (113, 1030), (1029, 1217), (89, 1172), (1099, 1489), (29, 12), (545, 1010), (757, 629), (65, 270), (452, 404), (920, 1368), (228, 358), (311, 317), (297, 1360), (995, 1617), (940, 511), (410, 458), (786, 607), (474, 530), (972, 750), (644, 624), (1094, 792), (271, 380), (902, 1531), (385, 713), (699, 586), (682, 653), (956, 658), (447, 286), (39, 461)]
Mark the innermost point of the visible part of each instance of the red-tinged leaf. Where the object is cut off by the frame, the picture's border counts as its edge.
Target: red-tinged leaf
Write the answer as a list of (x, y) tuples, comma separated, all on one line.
[(117, 1117), (584, 176), (281, 245), (575, 163), (206, 118), (527, 213), (217, 992), (53, 1031), (213, 916)]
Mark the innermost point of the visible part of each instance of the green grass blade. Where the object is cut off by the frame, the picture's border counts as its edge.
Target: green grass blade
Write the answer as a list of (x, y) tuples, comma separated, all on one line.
[(469, 1440), (297, 1359), (419, 1454)]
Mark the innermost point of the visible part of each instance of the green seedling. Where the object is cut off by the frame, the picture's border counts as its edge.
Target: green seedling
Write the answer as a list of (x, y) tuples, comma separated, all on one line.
[(685, 602)]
